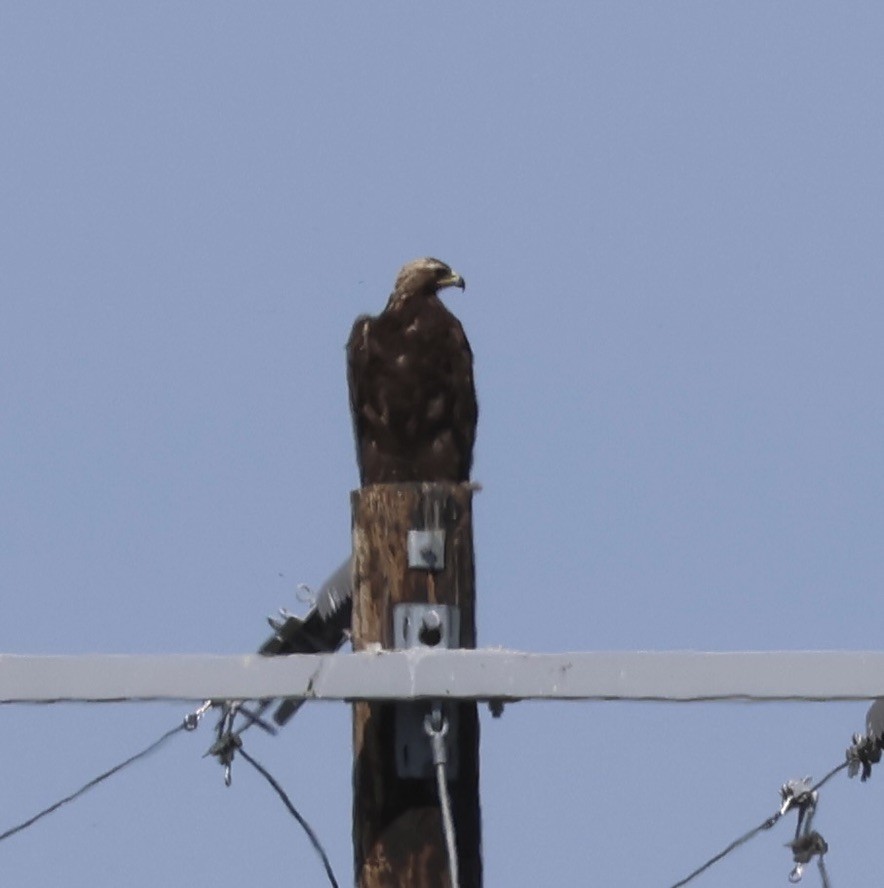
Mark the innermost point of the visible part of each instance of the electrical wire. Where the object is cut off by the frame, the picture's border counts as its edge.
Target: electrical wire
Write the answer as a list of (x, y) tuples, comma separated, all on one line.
[(830, 775), (436, 727), (314, 840), (436, 730), (447, 824), (824, 875), (767, 824), (92, 783), (189, 724)]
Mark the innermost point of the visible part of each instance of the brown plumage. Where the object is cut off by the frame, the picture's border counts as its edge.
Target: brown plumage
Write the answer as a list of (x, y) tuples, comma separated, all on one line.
[(410, 372)]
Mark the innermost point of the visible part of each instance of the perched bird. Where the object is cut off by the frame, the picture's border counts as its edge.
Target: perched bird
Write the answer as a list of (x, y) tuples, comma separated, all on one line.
[(410, 372)]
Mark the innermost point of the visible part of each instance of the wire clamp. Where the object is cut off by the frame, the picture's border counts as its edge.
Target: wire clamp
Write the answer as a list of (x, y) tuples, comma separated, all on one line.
[(808, 843), (224, 749), (228, 741), (192, 719), (804, 849), (436, 727), (864, 752), (797, 794)]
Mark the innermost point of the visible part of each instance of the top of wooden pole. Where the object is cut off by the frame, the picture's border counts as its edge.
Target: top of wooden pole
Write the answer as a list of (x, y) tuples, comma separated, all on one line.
[(398, 835), (383, 515)]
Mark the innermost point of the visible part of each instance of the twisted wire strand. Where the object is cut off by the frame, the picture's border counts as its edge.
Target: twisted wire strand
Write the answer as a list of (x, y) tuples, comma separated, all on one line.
[(767, 824), (448, 825), (93, 783), (314, 839)]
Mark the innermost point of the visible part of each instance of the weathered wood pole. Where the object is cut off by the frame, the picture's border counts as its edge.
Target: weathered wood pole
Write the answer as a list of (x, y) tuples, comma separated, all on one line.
[(398, 834)]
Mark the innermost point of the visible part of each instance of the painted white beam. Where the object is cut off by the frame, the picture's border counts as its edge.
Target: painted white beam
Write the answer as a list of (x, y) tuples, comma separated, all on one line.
[(468, 675)]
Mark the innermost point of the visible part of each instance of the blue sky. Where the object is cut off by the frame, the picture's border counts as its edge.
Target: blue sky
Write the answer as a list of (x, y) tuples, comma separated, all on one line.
[(669, 217)]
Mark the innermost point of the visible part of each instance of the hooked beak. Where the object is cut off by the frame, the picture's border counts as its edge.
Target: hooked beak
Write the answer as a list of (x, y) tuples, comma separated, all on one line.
[(453, 280)]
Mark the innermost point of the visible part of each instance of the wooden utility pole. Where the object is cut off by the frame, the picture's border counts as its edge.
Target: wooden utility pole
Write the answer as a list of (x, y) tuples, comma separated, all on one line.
[(398, 833)]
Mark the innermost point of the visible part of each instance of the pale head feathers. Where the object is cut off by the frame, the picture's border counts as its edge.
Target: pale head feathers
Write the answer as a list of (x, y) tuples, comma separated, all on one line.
[(426, 275)]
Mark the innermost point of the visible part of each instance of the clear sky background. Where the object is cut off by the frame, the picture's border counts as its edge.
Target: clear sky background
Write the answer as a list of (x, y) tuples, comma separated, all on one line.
[(669, 217)]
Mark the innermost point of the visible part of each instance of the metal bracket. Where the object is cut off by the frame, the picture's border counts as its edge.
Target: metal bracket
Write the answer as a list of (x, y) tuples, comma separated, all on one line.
[(426, 549), (424, 626)]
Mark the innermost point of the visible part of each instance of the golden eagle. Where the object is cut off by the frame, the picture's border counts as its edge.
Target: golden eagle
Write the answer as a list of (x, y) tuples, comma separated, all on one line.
[(410, 372)]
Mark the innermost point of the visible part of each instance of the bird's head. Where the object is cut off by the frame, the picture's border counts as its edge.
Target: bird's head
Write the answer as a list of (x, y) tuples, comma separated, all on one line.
[(426, 276)]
